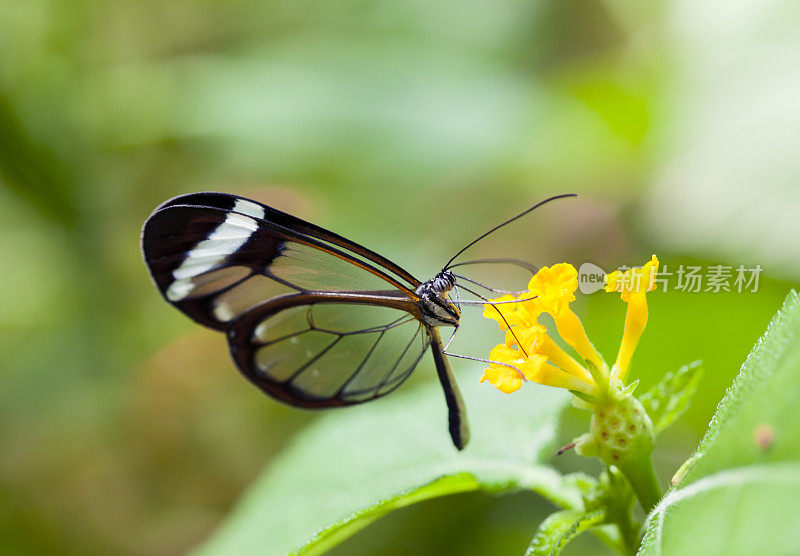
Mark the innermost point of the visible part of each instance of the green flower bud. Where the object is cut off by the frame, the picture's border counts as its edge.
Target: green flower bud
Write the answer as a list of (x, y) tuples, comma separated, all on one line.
[(621, 430)]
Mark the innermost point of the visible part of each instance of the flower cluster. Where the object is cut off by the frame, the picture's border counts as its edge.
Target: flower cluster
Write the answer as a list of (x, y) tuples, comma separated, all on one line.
[(621, 433), (529, 353)]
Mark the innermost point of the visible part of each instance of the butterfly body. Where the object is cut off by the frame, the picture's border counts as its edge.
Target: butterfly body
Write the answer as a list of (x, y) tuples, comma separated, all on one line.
[(437, 310), (312, 319)]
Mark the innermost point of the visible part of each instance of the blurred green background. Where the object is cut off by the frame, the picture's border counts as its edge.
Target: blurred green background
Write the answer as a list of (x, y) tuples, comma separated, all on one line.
[(409, 126)]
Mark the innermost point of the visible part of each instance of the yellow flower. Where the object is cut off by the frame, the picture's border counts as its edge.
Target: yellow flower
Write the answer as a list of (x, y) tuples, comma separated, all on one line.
[(555, 289), (502, 311), (555, 286), (633, 281), (519, 313), (503, 378), (536, 341), (506, 377), (621, 432), (530, 353), (633, 285), (512, 368)]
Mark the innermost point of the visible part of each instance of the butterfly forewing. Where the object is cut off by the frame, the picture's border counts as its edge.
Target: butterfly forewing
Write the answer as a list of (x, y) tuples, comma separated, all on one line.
[(215, 256), (315, 353)]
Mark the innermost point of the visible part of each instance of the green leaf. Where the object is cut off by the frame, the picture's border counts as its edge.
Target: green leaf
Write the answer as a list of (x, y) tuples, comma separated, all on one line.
[(560, 528), (631, 388), (739, 493), (32, 171), (668, 399), (599, 376), (585, 484), (588, 398), (354, 465)]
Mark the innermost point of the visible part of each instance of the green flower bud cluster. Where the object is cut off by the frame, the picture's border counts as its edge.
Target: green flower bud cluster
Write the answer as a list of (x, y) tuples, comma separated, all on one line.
[(622, 435), (620, 430)]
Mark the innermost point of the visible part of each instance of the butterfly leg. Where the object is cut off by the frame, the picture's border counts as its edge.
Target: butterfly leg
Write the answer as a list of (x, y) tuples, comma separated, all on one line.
[(450, 341)]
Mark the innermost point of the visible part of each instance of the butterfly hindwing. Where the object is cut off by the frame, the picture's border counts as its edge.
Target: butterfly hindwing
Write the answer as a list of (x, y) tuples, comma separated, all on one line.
[(312, 351)]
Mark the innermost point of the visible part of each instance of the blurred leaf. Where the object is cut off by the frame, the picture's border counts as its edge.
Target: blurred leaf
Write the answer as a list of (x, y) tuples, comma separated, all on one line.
[(730, 120), (560, 528), (738, 494), (585, 484), (666, 401), (354, 466), (31, 171)]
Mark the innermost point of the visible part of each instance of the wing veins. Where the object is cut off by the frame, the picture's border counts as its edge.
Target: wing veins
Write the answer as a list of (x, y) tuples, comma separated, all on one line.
[(224, 289), (396, 363), (381, 328), (289, 336), (293, 224), (299, 237), (361, 366), (410, 370), (310, 361)]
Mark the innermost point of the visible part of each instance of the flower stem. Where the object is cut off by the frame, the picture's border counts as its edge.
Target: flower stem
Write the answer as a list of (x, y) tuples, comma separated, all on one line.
[(629, 535), (618, 500), (642, 477)]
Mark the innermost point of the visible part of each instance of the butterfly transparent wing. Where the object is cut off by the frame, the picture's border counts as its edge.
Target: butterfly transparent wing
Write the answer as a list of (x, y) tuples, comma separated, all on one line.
[(320, 354), (216, 256)]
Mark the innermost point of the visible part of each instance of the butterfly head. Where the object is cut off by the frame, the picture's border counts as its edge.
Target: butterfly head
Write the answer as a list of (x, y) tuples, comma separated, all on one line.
[(437, 310)]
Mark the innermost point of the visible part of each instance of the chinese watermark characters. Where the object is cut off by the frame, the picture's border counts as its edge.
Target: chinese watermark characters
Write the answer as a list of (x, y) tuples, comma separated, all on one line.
[(683, 278)]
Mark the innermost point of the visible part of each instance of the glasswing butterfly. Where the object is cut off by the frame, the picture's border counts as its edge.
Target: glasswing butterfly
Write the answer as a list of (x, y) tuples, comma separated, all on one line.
[(313, 319)]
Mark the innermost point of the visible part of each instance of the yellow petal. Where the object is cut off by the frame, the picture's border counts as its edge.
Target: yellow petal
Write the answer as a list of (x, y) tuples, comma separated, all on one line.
[(571, 331), (555, 286), (537, 369), (536, 341), (525, 336), (635, 321), (529, 307), (632, 285), (504, 379), (635, 280), (498, 312), (530, 365), (563, 360), (504, 353)]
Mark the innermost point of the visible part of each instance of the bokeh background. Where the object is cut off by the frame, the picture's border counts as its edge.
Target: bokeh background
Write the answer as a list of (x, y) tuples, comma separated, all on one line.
[(409, 126)]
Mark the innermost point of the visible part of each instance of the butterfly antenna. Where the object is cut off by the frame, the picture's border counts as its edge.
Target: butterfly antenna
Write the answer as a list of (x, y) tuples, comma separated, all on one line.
[(484, 286), (509, 221), (516, 262)]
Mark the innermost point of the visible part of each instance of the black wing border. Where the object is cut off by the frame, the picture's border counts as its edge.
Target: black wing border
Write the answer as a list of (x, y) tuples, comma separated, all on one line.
[(241, 348), (299, 229)]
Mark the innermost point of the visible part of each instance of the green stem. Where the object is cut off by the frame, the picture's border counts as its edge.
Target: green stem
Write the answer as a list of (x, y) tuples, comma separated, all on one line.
[(619, 505), (628, 533), (642, 477)]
